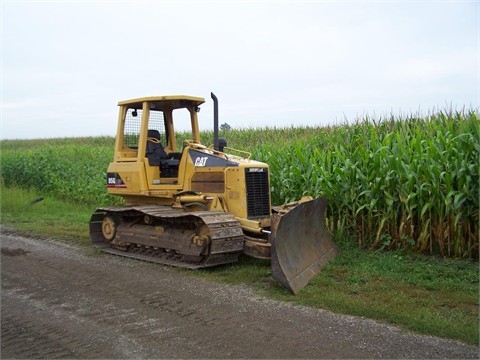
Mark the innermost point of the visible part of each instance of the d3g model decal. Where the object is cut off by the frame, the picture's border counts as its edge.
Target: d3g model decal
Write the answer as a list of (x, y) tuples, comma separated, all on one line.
[(115, 181)]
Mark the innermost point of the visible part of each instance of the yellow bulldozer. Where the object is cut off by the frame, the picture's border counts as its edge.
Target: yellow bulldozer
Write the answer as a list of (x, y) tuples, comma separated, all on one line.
[(195, 206)]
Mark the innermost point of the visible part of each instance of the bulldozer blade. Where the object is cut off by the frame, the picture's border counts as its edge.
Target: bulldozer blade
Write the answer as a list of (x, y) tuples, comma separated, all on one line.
[(301, 244)]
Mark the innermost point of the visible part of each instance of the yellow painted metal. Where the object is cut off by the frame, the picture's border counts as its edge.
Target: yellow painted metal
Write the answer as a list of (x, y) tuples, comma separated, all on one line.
[(299, 243), (172, 101)]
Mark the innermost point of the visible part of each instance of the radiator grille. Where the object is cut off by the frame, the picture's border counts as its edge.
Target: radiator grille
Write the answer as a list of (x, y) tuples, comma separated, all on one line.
[(258, 193)]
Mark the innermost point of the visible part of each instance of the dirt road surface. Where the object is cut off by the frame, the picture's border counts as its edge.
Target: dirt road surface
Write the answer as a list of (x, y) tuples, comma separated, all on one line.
[(59, 302)]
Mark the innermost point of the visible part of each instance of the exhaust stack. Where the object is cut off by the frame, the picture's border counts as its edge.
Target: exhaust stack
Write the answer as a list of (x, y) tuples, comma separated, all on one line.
[(216, 145)]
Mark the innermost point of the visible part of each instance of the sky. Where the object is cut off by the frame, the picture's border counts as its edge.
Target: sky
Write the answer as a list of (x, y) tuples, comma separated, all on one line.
[(66, 64)]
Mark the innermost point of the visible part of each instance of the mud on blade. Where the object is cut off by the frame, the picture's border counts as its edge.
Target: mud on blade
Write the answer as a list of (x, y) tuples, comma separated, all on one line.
[(301, 244)]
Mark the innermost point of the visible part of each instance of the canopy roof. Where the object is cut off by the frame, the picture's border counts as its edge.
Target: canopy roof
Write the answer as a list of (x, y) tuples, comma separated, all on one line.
[(163, 102)]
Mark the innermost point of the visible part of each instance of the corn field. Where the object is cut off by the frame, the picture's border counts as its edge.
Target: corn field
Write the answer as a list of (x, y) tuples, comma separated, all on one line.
[(409, 183), (392, 184), (69, 169)]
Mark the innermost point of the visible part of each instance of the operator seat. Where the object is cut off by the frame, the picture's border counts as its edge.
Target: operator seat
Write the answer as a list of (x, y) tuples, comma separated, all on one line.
[(157, 156), (155, 150)]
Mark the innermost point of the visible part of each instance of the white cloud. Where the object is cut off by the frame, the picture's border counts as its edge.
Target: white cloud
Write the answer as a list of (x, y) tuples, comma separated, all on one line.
[(270, 63)]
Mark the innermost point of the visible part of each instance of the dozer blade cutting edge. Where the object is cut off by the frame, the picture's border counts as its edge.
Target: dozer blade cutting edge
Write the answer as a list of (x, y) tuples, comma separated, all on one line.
[(301, 244)]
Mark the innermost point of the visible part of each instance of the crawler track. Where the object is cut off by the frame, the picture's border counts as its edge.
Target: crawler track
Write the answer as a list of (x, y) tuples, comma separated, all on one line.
[(169, 236)]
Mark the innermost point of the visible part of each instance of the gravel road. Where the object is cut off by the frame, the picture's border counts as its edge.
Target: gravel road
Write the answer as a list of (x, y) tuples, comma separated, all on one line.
[(57, 301)]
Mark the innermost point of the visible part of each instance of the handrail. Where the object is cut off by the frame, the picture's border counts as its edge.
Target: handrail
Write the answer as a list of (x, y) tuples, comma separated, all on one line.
[(194, 145), (248, 155)]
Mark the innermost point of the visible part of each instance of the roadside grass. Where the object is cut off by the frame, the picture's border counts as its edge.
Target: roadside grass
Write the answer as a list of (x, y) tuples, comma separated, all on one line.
[(22, 210), (425, 294)]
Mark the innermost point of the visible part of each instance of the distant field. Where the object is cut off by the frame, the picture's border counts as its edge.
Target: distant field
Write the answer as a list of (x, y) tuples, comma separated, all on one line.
[(397, 183)]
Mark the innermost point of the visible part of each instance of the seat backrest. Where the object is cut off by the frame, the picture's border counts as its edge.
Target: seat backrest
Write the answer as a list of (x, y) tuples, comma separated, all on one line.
[(155, 150), (155, 134)]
